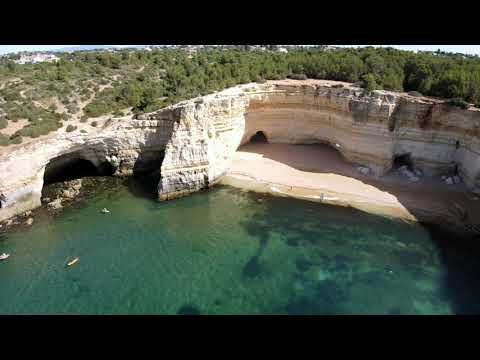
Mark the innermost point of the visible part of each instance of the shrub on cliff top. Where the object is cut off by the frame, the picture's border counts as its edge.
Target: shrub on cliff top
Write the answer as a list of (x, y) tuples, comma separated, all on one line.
[(298, 76), (4, 141), (39, 128), (369, 82), (458, 102), (414, 93), (3, 123), (117, 113), (71, 128), (15, 139)]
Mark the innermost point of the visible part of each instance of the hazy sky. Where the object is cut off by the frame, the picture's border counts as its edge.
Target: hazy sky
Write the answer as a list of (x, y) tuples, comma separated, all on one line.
[(467, 49), (4, 49)]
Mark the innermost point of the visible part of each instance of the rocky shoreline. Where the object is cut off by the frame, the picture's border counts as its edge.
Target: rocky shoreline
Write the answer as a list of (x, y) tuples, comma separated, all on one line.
[(57, 197)]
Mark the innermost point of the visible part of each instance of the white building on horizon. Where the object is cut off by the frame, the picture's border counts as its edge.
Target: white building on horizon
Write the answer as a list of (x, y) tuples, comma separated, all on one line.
[(34, 58)]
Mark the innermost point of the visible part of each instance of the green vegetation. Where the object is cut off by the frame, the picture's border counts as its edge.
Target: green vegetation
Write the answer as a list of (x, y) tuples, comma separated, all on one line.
[(369, 82), (4, 140), (3, 123), (70, 128), (7, 140), (414, 93), (146, 81), (298, 76), (458, 103), (117, 113), (15, 139), (39, 128)]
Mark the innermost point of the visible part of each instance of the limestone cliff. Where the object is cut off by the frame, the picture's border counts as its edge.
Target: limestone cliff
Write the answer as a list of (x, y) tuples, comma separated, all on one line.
[(192, 142)]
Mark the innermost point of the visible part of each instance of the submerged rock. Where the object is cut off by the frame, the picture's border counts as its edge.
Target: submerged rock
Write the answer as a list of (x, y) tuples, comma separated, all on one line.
[(418, 172), (252, 268), (55, 205), (456, 179), (411, 175), (69, 194), (189, 310), (363, 170)]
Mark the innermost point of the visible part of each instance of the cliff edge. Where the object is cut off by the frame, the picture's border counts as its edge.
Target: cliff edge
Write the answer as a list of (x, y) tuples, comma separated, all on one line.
[(192, 142)]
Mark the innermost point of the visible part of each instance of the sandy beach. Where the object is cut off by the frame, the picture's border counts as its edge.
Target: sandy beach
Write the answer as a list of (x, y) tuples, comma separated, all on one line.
[(319, 173)]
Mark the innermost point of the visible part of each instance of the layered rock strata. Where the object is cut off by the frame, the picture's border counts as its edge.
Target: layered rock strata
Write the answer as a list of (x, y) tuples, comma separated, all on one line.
[(192, 142)]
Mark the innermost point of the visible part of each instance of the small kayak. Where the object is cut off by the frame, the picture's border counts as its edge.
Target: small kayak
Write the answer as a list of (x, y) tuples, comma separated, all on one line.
[(105, 211), (73, 262), (4, 256)]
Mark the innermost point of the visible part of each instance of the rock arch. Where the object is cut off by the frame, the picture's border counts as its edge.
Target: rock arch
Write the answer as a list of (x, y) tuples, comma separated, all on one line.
[(199, 137), (73, 166)]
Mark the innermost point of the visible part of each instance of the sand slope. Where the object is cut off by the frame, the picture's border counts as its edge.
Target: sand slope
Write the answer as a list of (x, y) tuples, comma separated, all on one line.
[(319, 173)]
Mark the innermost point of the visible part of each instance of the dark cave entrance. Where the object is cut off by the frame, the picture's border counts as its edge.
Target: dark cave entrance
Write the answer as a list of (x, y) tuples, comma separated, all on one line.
[(146, 174), (259, 138), (70, 167), (403, 160)]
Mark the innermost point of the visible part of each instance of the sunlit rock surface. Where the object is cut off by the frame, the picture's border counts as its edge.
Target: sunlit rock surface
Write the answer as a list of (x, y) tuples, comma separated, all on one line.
[(192, 142)]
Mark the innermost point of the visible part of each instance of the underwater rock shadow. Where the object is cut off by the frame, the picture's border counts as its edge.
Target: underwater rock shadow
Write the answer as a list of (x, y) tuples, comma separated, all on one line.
[(293, 229), (189, 309), (461, 257)]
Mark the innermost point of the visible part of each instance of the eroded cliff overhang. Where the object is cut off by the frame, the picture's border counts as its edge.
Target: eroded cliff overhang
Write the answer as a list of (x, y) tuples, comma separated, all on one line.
[(194, 140)]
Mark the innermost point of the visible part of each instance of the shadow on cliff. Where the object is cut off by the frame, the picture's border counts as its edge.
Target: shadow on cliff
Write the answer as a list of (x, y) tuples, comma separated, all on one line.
[(146, 167), (316, 158), (144, 185)]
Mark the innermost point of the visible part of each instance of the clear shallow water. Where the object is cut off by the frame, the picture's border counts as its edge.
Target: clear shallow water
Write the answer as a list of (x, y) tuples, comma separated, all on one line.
[(225, 252)]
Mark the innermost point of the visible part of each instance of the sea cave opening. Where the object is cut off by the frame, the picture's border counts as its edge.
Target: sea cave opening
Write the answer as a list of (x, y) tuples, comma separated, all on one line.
[(259, 138), (403, 160), (70, 166), (146, 174)]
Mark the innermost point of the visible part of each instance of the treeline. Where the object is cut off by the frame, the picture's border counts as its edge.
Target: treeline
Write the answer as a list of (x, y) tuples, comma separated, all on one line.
[(148, 80), (171, 76)]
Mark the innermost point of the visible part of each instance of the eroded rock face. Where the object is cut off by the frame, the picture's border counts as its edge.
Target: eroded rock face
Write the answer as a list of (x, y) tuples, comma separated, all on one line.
[(192, 142), (121, 143)]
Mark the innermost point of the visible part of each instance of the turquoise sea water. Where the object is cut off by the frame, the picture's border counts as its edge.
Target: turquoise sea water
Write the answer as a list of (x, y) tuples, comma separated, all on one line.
[(225, 251)]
